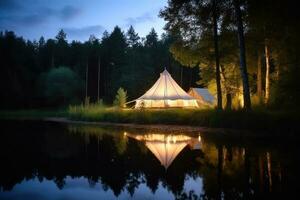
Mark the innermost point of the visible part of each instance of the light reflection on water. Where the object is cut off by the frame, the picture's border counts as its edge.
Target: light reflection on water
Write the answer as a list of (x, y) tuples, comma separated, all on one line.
[(56, 161)]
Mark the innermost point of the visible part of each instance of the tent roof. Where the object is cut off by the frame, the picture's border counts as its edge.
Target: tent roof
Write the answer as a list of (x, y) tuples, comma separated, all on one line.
[(165, 88), (205, 94)]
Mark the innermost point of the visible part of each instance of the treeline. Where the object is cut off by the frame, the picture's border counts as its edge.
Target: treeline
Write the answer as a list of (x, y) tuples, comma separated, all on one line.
[(56, 72), (241, 47)]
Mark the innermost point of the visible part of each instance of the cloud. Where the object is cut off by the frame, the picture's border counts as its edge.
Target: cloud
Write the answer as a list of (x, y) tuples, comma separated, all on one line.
[(69, 12), (32, 20), (146, 17), (9, 5), (38, 16), (83, 32)]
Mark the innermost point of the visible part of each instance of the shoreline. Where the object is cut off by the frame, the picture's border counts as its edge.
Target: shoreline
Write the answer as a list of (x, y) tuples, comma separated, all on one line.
[(221, 132), (255, 124), (161, 127)]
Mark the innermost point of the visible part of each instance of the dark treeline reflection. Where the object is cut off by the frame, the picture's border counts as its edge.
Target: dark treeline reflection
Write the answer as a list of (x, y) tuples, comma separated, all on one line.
[(123, 160), (57, 72)]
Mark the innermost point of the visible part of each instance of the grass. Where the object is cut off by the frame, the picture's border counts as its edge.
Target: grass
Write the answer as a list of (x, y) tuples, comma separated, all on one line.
[(253, 120), (279, 122), (32, 114)]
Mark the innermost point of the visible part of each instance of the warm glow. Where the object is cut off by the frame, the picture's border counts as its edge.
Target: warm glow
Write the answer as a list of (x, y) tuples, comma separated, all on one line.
[(166, 147), (165, 93), (199, 138)]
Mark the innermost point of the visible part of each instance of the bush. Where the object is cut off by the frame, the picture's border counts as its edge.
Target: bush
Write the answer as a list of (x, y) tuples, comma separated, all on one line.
[(61, 85)]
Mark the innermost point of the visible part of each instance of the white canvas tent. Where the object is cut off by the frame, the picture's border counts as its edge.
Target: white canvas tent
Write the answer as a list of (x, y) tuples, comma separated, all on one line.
[(165, 93), (203, 96)]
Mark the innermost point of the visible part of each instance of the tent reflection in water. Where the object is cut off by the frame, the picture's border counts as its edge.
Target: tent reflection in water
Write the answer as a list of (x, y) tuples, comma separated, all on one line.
[(166, 93), (166, 147)]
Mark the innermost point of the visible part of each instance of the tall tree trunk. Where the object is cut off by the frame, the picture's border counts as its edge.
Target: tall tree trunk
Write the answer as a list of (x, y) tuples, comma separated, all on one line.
[(267, 56), (259, 77), (227, 89), (86, 79), (243, 66), (52, 61), (216, 44), (98, 86)]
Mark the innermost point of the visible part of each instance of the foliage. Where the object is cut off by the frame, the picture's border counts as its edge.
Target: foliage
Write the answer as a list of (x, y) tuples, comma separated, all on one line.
[(61, 84), (191, 23), (85, 109), (101, 65), (32, 114), (120, 98), (254, 120)]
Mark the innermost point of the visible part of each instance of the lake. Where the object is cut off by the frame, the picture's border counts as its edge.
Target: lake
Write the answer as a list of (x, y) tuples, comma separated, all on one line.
[(48, 160)]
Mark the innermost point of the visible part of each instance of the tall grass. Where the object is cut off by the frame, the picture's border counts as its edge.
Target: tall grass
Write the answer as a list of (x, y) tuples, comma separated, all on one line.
[(86, 110), (254, 120)]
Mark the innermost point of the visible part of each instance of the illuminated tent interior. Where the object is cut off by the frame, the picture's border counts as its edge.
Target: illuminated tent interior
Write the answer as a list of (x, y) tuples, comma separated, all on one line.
[(166, 147), (165, 93)]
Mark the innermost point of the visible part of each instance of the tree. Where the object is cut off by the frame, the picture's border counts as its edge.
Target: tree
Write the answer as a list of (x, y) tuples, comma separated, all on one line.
[(61, 56), (132, 37), (191, 20), (115, 60), (151, 39), (120, 98), (243, 67), (153, 66), (61, 36), (267, 88), (216, 45), (61, 86)]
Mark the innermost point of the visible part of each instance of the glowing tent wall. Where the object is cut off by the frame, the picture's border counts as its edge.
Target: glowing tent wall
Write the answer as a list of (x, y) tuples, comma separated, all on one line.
[(165, 93)]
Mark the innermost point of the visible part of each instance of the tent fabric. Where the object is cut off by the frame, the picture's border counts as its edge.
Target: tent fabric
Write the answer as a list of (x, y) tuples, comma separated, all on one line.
[(165, 93), (202, 95)]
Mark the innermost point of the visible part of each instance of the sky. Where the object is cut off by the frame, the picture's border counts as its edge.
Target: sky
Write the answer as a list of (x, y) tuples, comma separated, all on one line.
[(32, 19)]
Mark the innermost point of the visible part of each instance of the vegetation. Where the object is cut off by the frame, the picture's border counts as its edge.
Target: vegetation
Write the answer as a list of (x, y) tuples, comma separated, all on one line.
[(254, 120), (60, 85), (32, 114), (245, 56), (55, 72), (120, 98), (258, 38)]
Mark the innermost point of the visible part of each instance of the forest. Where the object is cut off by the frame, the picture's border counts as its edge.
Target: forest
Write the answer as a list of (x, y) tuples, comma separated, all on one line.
[(247, 57), (247, 47), (55, 72)]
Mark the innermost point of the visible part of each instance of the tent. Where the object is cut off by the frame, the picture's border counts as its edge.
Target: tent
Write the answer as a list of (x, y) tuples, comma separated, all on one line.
[(165, 147), (165, 93), (203, 96)]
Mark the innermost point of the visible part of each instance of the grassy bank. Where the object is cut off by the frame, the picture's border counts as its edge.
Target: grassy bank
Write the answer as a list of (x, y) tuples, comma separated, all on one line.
[(254, 120), (32, 114), (279, 122)]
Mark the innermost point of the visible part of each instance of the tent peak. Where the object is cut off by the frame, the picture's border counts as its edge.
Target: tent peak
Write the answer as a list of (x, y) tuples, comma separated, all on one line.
[(165, 71)]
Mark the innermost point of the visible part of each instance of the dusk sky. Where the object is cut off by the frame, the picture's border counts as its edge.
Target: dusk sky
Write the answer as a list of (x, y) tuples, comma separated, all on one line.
[(34, 18)]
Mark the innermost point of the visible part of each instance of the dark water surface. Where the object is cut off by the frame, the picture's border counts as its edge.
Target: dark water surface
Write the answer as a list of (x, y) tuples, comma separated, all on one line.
[(43, 160)]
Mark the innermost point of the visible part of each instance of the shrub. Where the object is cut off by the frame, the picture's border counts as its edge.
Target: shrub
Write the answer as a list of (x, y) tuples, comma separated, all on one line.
[(121, 98), (61, 85)]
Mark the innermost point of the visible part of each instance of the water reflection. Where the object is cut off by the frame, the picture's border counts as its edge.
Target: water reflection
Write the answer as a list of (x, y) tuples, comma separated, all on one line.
[(54, 161), (166, 147)]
